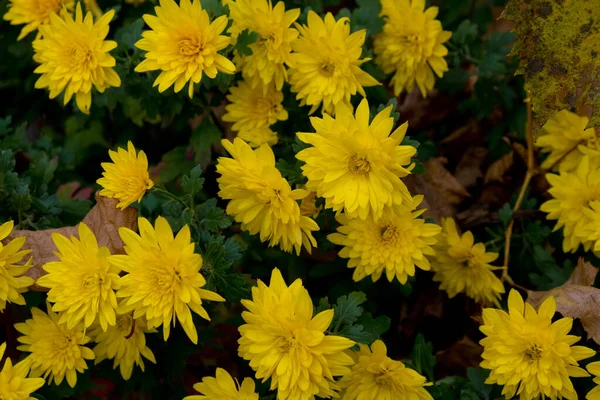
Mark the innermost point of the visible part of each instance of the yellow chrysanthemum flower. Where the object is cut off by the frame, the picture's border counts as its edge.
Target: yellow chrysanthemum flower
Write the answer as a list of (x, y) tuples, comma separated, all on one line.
[(395, 244), (256, 137), (284, 342), (463, 266), (33, 13), (564, 136), (126, 178), (308, 206), (253, 110), (163, 280), (573, 196), (272, 51), (82, 282), (74, 57), (183, 44), (223, 387), (261, 199), (594, 369), (411, 45), (376, 376), (357, 166), (528, 354), (56, 351), (124, 343), (13, 282), (14, 384), (326, 63)]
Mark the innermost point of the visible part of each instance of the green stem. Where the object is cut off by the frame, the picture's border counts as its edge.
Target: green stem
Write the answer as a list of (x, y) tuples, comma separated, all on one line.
[(161, 190)]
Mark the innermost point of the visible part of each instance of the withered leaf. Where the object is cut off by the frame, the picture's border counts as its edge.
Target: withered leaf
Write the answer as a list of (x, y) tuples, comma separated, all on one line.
[(499, 167), (468, 170), (576, 298), (441, 190), (455, 360), (104, 219)]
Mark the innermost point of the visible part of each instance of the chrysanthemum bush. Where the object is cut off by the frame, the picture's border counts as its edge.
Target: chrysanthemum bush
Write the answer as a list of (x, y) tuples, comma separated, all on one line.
[(291, 200)]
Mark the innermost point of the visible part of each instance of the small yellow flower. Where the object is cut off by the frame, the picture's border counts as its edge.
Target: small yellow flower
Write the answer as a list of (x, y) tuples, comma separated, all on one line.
[(376, 376), (82, 282), (463, 266), (56, 351), (261, 199), (256, 137), (33, 13), (163, 281), (564, 136), (326, 63), (223, 387), (308, 206), (272, 51), (574, 194), (594, 369), (411, 45), (13, 282), (394, 244), (124, 343), (284, 342), (126, 178), (357, 166), (254, 108), (529, 354), (14, 384), (74, 57), (183, 44)]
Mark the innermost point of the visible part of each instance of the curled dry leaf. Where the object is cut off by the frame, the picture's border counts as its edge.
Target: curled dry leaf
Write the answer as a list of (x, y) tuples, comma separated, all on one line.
[(468, 170), (499, 167), (576, 298), (104, 219), (441, 189), (455, 360)]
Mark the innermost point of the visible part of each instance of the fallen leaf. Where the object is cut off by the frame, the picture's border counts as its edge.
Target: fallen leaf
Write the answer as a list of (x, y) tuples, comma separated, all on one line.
[(104, 219), (441, 190), (455, 360), (576, 298), (498, 168), (468, 170)]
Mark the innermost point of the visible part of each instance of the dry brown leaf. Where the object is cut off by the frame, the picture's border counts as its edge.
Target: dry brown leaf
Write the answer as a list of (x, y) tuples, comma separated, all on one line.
[(104, 219), (576, 298), (441, 190), (455, 360), (498, 168), (468, 170)]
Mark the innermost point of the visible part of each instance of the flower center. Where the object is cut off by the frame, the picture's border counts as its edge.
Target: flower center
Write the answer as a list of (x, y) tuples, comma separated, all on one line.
[(389, 233), (328, 68), (285, 344), (61, 342), (80, 54), (189, 47), (93, 282), (358, 166), (124, 323), (533, 353)]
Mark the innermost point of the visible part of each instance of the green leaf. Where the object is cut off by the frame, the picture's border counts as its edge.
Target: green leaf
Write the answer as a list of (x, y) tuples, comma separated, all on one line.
[(245, 39), (211, 217), (454, 81), (192, 184), (203, 138), (505, 214), (391, 102), (347, 310), (130, 33), (366, 16), (465, 34), (422, 357)]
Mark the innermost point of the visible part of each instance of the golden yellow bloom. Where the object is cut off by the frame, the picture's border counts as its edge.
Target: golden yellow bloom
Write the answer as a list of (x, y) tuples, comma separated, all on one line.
[(14, 384), (256, 137), (463, 266), (411, 45), (308, 206), (56, 351), (163, 280), (284, 342), (254, 108), (564, 136), (326, 63), (594, 369), (395, 244), (357, 166), (74, 57), (261, 199), (183, 45), (223, 387), (126, 178), (81, 282), (33, 13), (573, 196), (124, 343), (528, 354), (13, 282), (272, 51), (376, 376)]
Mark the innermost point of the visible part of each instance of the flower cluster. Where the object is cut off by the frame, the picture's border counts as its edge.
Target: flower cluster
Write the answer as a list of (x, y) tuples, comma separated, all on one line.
[(285, 342), (33, 14), (463, 266), (528, 354), (13, 281), (14, 383), (261, 199), (223, 387)]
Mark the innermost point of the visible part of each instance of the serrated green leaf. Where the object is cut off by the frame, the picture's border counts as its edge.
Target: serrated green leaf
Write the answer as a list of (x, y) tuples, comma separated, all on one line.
[(465, 33), (193, 183), (211, 217), (347, 310), (245, 39), (505, 214), (422, 357)]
